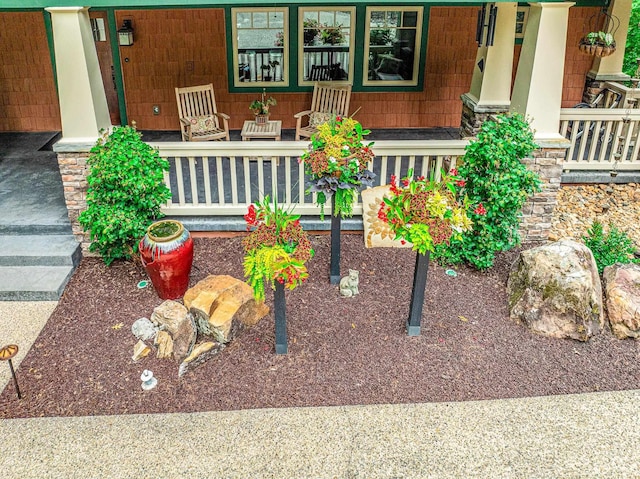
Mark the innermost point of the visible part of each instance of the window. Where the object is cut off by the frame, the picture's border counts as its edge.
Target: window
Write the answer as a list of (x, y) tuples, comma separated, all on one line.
[(521, 21), (326, 37), (260, 47), (392, 45)]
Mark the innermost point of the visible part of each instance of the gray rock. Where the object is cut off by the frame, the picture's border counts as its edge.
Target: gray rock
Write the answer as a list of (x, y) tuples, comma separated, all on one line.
[(622, 292), (555, 290), (144, 329)]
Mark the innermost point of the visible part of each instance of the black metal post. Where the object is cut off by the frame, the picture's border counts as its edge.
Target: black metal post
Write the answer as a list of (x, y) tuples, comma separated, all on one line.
[(417, 294), (15, 379), (335, 243), (280, 307)]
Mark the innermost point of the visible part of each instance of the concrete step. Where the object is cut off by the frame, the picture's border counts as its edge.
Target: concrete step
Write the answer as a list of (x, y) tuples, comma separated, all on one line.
[(33, 283), (40, 250)]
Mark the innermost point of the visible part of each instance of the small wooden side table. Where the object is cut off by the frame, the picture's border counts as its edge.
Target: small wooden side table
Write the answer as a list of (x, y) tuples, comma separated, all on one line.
[(270, 129)]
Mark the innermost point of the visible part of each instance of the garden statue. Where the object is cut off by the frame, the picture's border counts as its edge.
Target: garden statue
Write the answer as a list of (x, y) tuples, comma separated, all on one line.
[(349, 284), (148, 381)]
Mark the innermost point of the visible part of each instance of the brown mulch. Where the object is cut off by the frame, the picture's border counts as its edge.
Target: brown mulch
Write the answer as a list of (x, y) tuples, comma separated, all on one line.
[(342, 351)]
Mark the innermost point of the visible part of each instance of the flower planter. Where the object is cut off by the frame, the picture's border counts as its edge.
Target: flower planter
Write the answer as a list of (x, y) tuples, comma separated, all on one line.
[(166, 252), (262, 119)]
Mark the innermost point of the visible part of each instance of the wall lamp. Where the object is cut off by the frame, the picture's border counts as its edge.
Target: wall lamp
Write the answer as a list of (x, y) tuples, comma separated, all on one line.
[(125, 34), (490, 26)]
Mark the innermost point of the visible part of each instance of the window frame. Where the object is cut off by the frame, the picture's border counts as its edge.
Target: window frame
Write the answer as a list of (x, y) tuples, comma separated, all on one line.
[(285, 64), (418, 54), (352, 34)]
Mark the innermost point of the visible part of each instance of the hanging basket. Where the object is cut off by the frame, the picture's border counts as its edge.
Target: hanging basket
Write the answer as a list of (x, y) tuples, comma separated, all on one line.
[(599, 41)]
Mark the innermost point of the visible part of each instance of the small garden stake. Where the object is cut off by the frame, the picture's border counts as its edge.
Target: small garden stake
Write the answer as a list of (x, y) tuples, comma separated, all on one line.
[(280, 312), (6, 353), (335, 243)]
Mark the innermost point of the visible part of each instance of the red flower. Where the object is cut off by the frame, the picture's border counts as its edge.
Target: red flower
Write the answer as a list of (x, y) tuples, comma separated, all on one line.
[(250, 217), (393, 180), (480, 210), (405, 182), (394, 187), (338, 118), (403, 242), (421, 178), (453, 172), (461, 183)]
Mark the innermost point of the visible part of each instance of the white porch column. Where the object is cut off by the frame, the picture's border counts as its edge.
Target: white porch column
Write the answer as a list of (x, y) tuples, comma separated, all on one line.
[(610, 68), (537, 91), (83, 103), (491, 85)]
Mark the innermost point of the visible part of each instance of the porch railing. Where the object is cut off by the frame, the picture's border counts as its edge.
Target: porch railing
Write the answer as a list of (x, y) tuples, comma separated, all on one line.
[(224, 178), (601, 139)]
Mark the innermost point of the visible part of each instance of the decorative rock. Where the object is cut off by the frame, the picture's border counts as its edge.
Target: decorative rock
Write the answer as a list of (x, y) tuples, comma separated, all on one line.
[(200, 354), (165, 345), (140, 350), (376, 232), (148, 381), (555, 290), (144, 329), (174, 318), (622, 292)]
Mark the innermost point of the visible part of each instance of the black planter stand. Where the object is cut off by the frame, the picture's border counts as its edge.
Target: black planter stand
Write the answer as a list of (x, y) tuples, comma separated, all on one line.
[(417, 294), (280, 307), (335, 243)]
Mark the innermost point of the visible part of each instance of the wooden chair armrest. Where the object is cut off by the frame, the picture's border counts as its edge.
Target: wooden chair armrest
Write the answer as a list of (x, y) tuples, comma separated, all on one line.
[(223, 116), (302, 113), (185, 122)]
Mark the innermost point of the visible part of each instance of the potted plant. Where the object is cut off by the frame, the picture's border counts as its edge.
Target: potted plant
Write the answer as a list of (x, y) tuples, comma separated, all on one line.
[(260, 108), (600, 44), (426, 213), (311, 31), (276, 252), (336, 163), (125, 191), (332, 35)]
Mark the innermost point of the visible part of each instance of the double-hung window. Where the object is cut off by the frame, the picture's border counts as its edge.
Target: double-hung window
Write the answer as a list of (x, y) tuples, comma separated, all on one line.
[(326, 40), (392, 46), (260, 47)]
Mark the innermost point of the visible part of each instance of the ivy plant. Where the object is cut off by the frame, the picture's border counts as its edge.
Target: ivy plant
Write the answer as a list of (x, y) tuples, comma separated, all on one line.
[(125, 192), (610, 248), (495, 177)]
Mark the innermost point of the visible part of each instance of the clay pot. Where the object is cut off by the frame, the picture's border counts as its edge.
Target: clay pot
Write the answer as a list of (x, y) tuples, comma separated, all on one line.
[(166, 252)]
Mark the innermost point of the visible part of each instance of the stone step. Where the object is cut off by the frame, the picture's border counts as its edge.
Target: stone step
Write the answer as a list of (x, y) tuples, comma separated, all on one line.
[(40, 250), (33, 283)]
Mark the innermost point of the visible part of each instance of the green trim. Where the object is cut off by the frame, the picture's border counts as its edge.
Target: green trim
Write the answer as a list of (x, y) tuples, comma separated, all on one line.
[(117, 65), (52, 53), (126, 4)]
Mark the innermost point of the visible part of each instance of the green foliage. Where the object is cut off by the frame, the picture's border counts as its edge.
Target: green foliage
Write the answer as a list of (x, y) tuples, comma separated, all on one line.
[(632, 50), (125, 192), (611, 248), (497, 179)]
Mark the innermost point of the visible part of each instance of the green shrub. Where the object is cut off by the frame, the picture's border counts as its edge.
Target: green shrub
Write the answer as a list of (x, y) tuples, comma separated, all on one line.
[(125, 192), (496, 179), (611, 248)]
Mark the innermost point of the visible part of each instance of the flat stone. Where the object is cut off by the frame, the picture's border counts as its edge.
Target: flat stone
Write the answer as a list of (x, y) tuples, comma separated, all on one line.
[(165, 345), (140, 350)]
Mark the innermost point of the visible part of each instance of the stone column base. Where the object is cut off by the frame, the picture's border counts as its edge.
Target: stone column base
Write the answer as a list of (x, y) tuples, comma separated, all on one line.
[(474, 115), (537, 213)]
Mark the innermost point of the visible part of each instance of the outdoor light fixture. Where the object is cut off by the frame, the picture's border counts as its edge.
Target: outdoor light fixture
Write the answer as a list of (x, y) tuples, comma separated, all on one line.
[(490, 26), (125, 34)]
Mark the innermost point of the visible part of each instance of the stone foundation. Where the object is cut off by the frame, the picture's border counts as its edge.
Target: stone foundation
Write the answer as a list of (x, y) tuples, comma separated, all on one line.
[(537, 213), (473, 116), (73, 170)]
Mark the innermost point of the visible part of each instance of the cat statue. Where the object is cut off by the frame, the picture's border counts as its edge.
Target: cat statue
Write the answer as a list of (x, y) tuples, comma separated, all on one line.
[(349, 284)]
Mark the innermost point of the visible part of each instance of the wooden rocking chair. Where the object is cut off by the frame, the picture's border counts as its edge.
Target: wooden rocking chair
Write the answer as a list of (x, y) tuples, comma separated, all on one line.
[(328, 100), (199, 117)]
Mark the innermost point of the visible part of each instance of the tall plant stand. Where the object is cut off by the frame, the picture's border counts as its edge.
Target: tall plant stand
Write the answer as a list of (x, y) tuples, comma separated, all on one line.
[(280, 307), (417, 293), (334, 270)]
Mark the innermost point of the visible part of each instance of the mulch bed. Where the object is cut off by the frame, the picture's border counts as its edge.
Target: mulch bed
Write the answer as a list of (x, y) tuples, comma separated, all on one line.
[(342, 351)]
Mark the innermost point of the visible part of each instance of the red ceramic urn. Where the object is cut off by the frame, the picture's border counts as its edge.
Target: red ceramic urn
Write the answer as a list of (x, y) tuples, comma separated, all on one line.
[(166, 252)]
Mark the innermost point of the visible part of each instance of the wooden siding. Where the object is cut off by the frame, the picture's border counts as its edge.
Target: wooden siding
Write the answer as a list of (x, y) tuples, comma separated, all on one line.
[(28, 99)]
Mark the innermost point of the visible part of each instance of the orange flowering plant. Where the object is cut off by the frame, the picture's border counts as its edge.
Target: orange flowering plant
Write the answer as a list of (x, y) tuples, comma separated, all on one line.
[(426, 212), (277, 248)]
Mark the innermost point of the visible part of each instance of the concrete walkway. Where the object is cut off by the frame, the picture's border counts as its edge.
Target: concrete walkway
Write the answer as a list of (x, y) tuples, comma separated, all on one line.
[(576, 436)]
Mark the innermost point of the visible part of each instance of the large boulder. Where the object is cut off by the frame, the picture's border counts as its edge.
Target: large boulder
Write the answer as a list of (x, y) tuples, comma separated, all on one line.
[(555, 290), (622, 292)]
